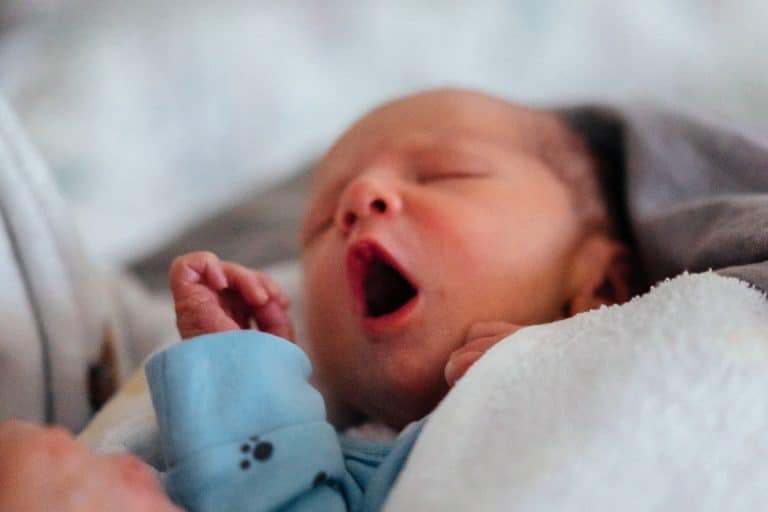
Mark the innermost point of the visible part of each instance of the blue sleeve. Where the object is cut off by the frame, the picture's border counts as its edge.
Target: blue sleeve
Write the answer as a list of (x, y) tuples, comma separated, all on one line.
[(241, 429)]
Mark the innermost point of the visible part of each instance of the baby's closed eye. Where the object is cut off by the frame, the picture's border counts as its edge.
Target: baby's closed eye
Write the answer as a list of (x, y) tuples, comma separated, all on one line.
[(432, 175)]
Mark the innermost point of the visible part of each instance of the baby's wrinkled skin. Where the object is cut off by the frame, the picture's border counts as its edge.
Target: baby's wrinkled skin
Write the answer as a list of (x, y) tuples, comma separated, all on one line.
[(450, 188), (210, 296)]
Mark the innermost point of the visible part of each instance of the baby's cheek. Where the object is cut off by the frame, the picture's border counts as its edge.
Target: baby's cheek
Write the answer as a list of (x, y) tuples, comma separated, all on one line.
[(415, 376), (327, 302)]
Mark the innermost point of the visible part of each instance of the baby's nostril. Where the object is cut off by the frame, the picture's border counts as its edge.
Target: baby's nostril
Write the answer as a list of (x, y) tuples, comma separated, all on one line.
[(379, 205), (349, 218)]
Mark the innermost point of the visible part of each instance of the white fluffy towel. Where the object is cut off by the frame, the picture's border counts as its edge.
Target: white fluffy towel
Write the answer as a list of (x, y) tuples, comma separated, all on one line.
[(659, 404)]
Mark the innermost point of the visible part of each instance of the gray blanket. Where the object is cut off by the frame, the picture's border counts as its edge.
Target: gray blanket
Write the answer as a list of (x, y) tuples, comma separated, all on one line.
[(690, 195)]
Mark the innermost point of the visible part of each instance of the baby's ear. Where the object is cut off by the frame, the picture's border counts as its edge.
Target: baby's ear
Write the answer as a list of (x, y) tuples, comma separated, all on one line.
[(602, 275)]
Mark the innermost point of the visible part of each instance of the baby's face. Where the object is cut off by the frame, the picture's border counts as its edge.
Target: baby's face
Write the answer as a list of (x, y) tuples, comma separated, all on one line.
[(428, 215)]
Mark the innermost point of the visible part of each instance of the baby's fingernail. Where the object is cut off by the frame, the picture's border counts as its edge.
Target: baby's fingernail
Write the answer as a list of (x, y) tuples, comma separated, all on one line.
[(262, 296)]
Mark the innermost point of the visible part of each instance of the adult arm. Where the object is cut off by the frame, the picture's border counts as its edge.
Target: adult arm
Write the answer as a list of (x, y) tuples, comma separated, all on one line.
[(44, 468)]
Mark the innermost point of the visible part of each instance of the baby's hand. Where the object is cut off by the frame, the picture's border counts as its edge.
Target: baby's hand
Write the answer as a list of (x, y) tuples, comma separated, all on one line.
[(480, 337), (211, 295)]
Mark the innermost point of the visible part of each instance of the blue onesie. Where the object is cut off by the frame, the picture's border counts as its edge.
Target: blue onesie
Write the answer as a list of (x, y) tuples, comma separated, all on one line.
[(241, 429)]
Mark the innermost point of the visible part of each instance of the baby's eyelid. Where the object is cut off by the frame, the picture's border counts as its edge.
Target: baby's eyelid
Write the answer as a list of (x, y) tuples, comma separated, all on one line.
[(428, 176)]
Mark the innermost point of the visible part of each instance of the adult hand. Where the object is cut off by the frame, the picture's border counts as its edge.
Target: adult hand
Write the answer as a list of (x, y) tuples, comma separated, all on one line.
[(480, 337), (44, 469)]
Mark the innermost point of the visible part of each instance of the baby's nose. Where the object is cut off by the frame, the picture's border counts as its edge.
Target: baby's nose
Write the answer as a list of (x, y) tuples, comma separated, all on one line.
[(367, 198)]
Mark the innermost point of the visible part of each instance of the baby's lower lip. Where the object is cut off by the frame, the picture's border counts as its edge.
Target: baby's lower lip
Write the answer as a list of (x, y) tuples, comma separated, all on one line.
[(393, 321)]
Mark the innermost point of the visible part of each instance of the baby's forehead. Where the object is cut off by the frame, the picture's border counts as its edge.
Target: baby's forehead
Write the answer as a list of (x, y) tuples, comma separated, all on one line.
[(425, 146), (434, 126)]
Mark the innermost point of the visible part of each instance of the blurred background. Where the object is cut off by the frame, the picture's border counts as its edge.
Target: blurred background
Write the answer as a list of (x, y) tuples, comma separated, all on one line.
[(153, 114)]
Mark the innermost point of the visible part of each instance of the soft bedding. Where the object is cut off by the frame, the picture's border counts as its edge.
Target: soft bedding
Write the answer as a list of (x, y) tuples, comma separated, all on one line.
[(659, 404)]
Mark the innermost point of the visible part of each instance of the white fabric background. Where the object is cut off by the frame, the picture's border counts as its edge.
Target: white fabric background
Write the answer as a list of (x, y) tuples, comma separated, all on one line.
[(153, 112)]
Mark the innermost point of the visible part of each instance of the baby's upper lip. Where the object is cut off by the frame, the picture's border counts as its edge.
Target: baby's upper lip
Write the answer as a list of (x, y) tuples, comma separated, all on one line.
[(359, 255)]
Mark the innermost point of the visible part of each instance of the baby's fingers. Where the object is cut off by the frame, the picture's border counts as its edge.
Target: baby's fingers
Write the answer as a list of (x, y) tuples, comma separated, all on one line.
[(272, 318), (462, 359), (251, 285), (465, 356), (201, 267), (275, 292), (458, 365), (484, 329), (256, 288), (267, 302)]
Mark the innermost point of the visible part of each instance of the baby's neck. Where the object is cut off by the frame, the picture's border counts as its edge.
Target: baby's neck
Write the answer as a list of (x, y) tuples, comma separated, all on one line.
[(372, 431)]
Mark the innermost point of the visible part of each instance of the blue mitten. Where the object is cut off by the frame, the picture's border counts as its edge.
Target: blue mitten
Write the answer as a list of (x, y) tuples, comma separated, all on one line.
[(241, 428)]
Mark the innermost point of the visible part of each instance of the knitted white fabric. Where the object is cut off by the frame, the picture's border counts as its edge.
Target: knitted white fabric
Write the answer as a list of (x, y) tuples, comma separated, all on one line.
[(660, 404)]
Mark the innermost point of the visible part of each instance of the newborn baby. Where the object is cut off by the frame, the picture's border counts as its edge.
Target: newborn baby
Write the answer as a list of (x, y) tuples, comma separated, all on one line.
[(437, 225)]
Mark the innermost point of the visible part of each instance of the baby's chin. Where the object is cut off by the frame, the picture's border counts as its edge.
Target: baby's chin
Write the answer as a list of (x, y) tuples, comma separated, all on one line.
[(400, 397)]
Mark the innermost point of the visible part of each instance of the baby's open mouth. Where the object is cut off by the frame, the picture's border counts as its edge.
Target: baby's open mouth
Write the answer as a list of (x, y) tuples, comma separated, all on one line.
[(377, 281)]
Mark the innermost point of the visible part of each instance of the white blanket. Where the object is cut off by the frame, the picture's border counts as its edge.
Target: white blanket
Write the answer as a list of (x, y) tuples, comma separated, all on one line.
[(660, 404)]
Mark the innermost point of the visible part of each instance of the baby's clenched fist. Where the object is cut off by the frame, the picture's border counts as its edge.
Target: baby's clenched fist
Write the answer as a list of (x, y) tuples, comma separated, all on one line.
[(211, 295)]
